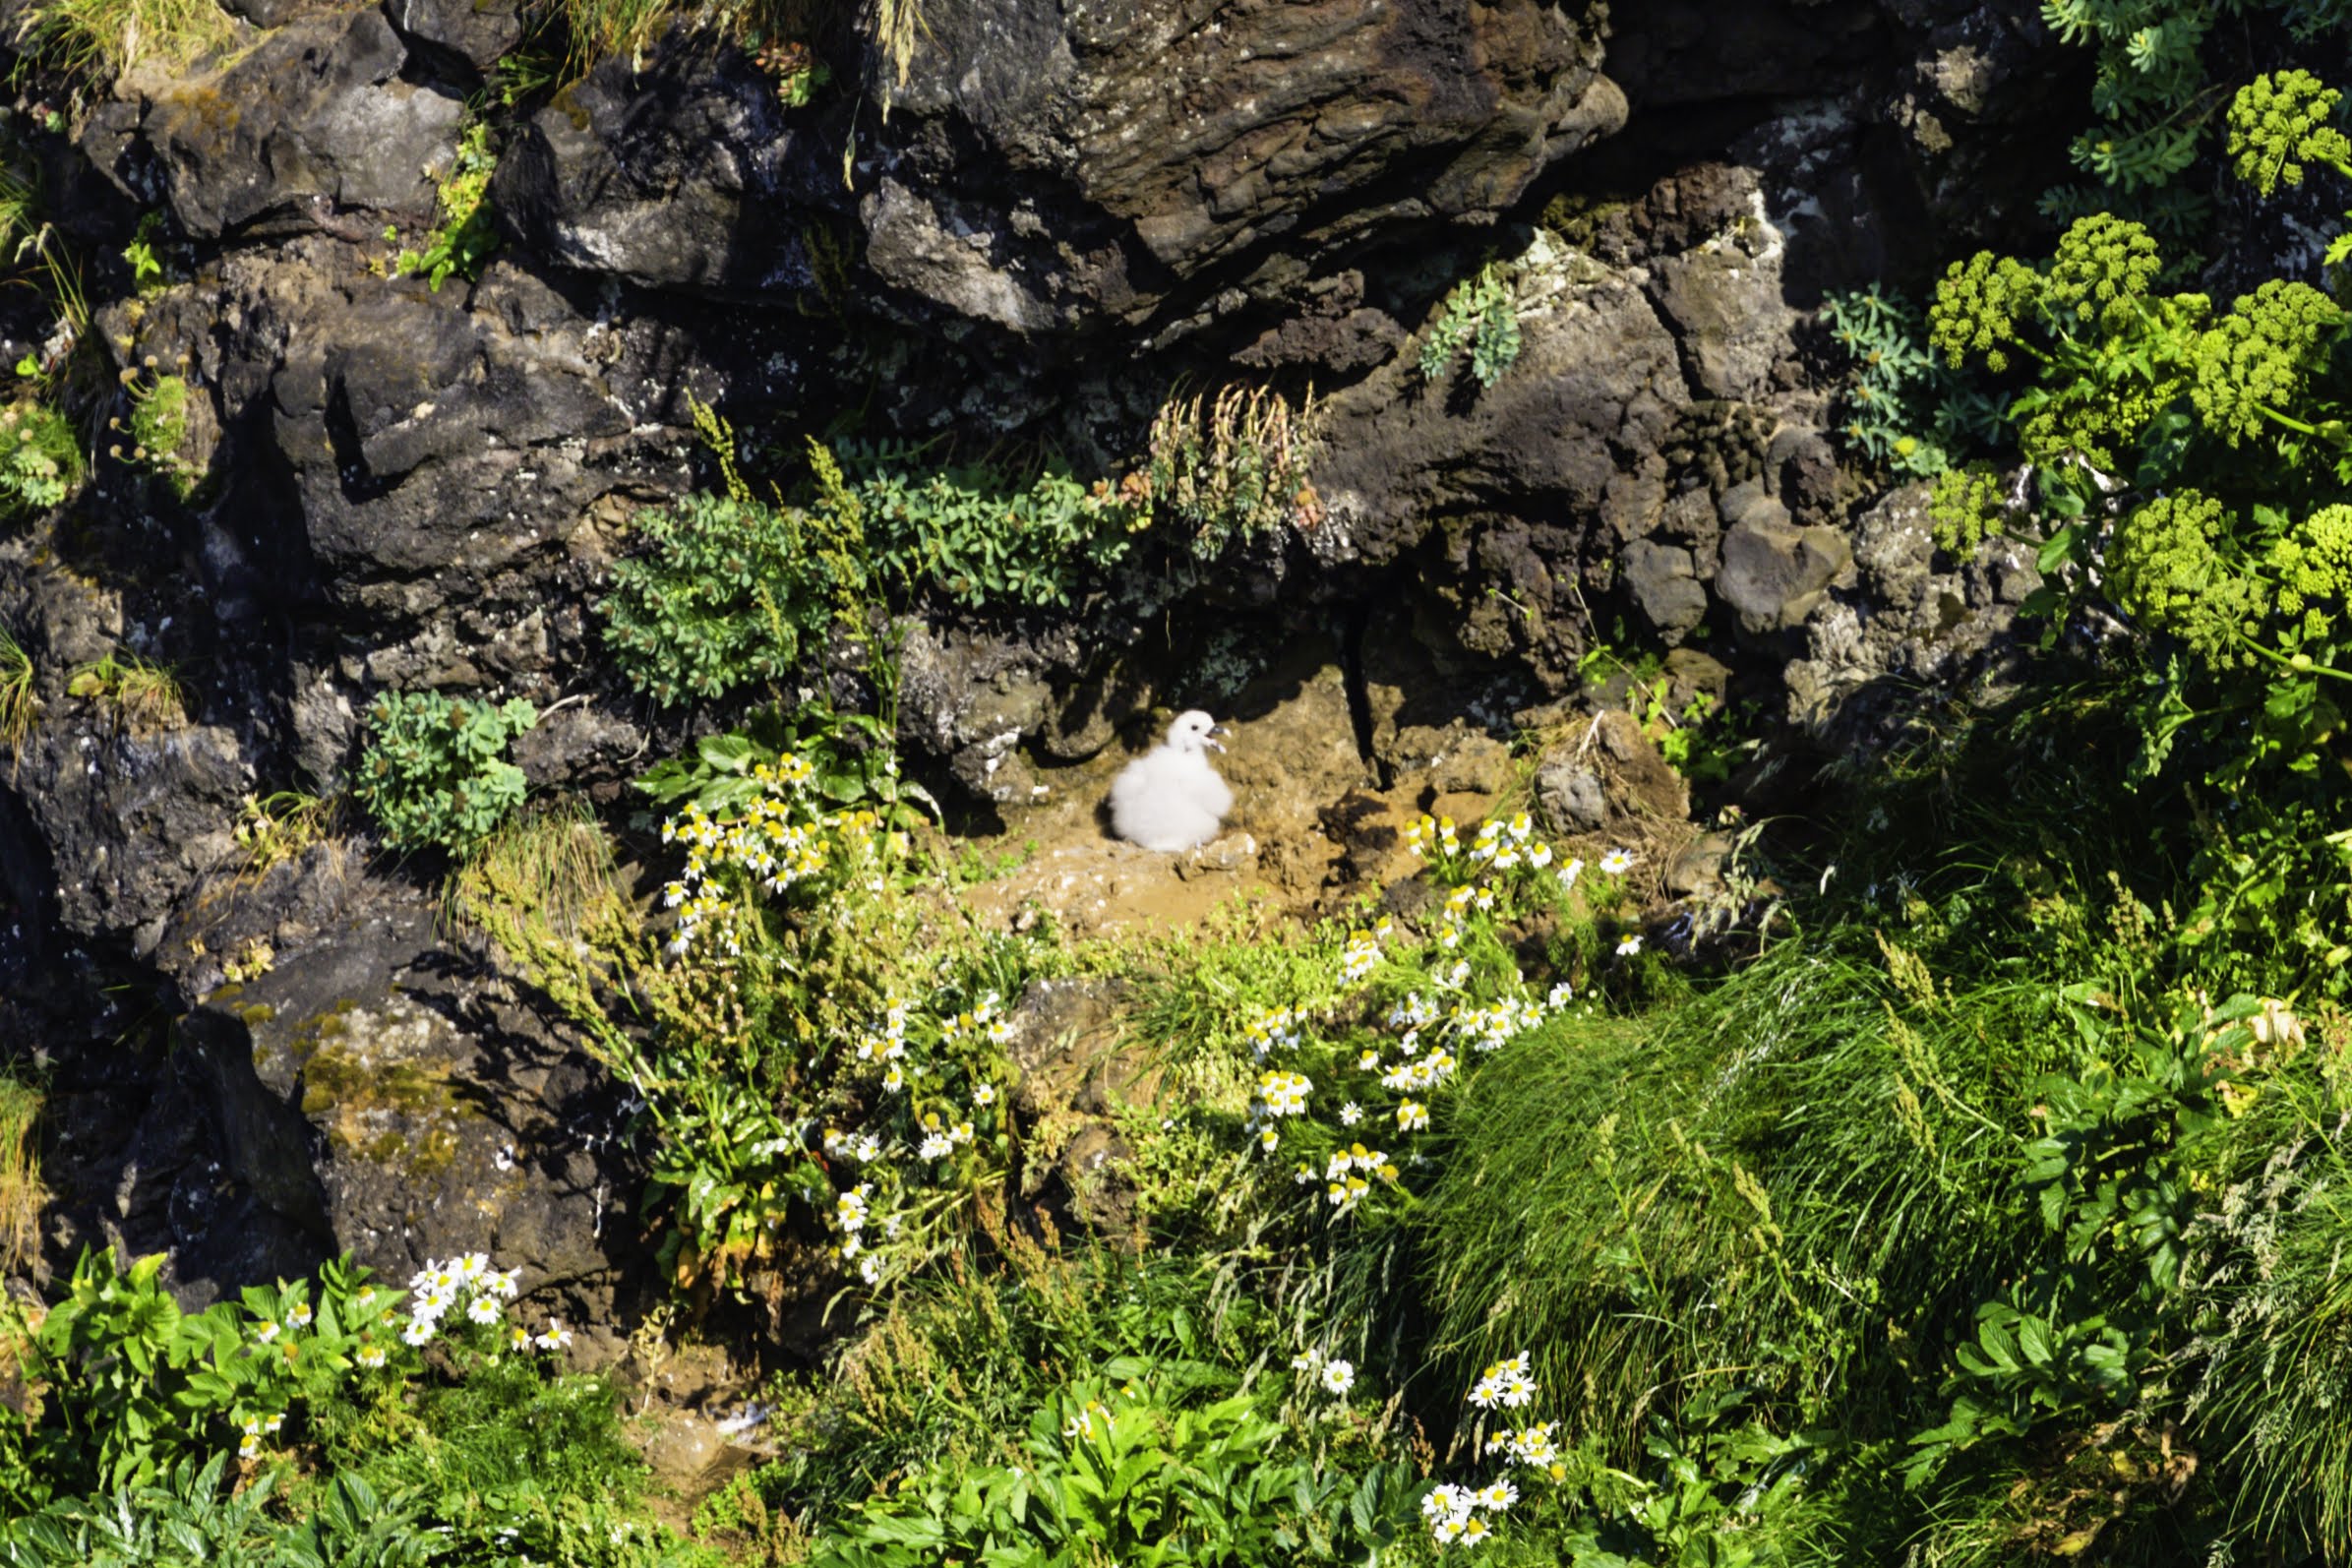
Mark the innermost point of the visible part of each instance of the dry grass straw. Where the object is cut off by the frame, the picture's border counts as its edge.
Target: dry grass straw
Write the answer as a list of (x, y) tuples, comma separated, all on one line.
[(1234, 462), (18, 706), (21, 1195), (144, 694)]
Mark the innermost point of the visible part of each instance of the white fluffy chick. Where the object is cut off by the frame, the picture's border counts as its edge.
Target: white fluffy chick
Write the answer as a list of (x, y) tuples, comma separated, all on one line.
[(1169, 799)]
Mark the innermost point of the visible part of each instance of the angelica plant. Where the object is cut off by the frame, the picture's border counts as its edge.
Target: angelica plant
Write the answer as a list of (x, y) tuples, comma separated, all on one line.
[(2190, 463)]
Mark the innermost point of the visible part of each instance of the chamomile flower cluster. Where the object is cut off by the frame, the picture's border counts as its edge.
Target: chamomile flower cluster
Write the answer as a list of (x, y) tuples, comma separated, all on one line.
[(1362, 955), (941, 1138), (986, 1020), (1279, 1030), (1280, 1094), (1532, 1446), (1506, 846), (853, 1211), (931, 1104), (1481, 875), (1466, 1516), (776, 842), (253, 1428), (1348, 1176), (465, 1286), (1496, 1025), (1506, 1385), (1088, 1422)]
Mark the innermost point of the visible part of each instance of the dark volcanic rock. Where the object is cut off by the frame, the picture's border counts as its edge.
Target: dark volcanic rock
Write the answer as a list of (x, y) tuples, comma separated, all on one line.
[(1046, 170), (1663, 584), (686, 177), (421, 1112), (462, 37), (1597, 375), (1774, 573), (132, 818), (315, 120)]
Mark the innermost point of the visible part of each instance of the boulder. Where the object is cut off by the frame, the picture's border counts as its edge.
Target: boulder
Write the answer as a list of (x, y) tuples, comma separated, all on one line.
[(1723, 300), (1664, 584), (406, 1108), (461, 38), (1775, 573), (1045, 170), (315, 121), (684, 176), (1606, 773), (132, 818), (1076, 1066), (1597, 375)]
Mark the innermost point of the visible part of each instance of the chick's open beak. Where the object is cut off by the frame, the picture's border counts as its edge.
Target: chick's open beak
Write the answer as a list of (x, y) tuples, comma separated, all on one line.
[(1210, 739)]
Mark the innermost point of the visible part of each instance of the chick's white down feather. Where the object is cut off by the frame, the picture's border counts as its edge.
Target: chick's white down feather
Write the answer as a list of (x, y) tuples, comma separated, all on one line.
[(1169, 799)]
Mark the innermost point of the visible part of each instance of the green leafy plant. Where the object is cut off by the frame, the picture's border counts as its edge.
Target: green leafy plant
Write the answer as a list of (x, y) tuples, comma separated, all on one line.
[(146, 266), (466, 232), (1902, 408), (1480, 314), (1111, 1473), (179, 1520), (40, 457), (795, 68), (434, 772), (980, 536), (726, 592), (2156, 96), (850, 756), (132, 1385), (2113, 1182), (277, 828), (2204, 454)]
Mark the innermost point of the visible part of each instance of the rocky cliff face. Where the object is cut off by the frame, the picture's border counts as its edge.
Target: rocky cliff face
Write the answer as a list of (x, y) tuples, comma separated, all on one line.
[(1061, 212)]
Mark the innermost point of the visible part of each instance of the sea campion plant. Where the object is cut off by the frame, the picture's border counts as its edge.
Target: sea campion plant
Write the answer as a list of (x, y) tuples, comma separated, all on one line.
[(40, 457)]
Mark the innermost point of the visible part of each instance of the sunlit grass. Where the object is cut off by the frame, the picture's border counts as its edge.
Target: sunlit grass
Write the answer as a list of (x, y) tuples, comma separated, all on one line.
[(1780, 1180), (144, 694), (102, 39)]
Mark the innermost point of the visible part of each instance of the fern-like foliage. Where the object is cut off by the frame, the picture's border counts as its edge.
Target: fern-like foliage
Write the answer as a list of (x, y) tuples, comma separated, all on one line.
[(2155, 95)]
